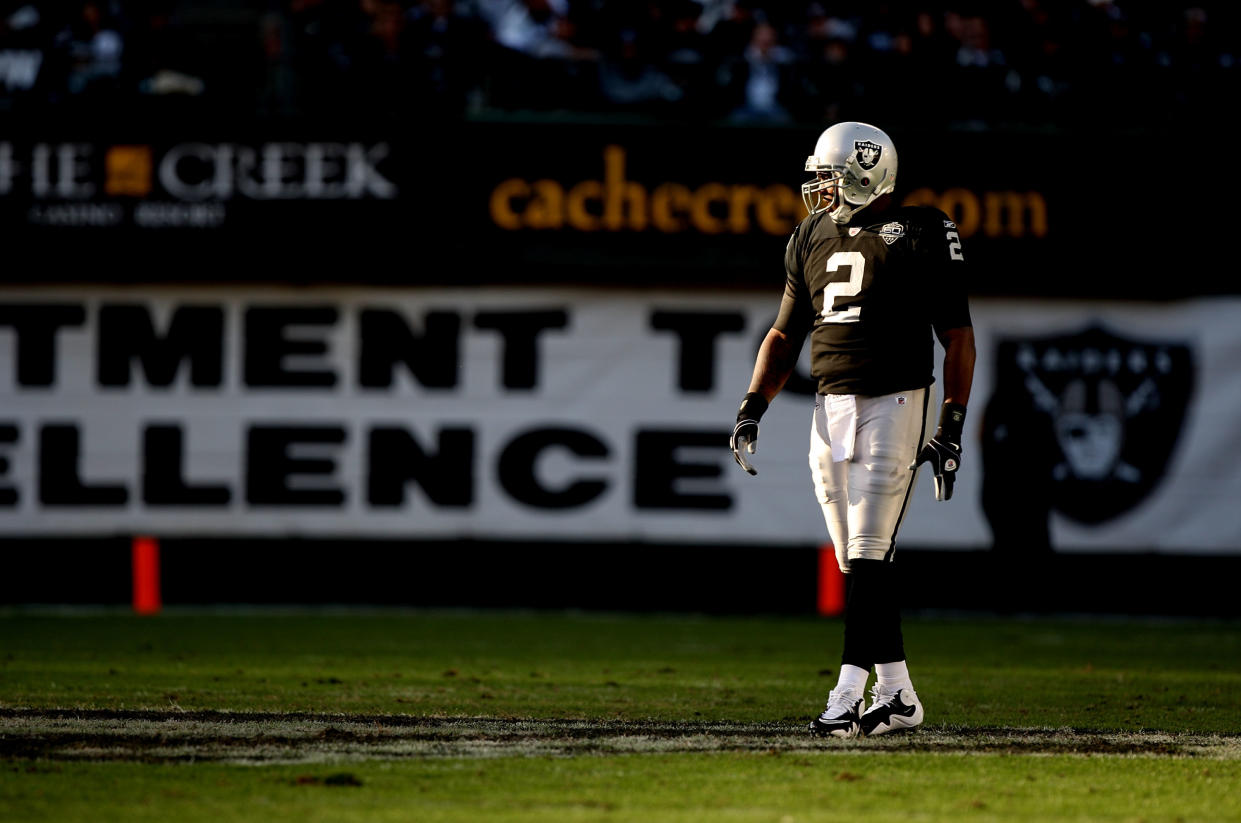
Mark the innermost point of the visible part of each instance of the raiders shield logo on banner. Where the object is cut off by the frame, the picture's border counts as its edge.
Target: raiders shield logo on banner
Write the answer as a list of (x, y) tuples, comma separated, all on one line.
[(1094, 416)]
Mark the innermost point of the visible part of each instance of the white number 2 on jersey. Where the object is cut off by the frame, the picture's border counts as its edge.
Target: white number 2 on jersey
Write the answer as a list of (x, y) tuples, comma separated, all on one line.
[(954, 246), (844, 288)]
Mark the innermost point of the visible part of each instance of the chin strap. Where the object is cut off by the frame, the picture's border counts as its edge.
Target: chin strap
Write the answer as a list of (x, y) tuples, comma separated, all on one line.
[(846, 212)]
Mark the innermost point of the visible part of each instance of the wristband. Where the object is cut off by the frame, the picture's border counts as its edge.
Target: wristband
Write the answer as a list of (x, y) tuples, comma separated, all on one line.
[(951, 422), (753, 405)]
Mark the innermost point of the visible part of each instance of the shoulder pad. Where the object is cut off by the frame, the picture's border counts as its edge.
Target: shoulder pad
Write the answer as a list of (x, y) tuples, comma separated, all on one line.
[(925, 216)]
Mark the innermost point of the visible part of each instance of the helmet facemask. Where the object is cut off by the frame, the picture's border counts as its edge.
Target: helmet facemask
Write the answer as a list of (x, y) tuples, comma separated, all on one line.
[(812, 190)]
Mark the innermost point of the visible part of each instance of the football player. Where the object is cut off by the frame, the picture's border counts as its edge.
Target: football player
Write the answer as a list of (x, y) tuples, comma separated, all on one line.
[(873, 285)]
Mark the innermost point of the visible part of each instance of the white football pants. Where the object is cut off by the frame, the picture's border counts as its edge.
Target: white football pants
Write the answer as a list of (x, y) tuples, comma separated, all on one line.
[(860, 451)]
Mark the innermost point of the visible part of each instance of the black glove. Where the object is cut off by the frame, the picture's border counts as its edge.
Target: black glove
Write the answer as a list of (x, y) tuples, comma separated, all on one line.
[(943, 451), (745, 433)]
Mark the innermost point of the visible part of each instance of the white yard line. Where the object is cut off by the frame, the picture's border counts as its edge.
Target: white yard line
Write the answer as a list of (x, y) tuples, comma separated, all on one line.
[(269, 738)]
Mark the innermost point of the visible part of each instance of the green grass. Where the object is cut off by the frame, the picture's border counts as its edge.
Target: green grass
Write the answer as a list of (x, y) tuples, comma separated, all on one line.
[(1109, 675), (1178, 678), (727, 787)]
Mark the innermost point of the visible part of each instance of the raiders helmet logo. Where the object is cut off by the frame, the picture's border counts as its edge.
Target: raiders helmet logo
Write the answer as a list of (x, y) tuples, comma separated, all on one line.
[(1091, 420), (866, 153)]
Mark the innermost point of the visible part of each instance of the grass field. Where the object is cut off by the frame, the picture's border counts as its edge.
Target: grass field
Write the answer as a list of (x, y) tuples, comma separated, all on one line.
[(550, 716)]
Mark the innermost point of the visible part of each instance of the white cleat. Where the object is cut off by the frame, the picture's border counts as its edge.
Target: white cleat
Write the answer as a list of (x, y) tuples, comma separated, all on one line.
[(840, 718), (892, 710)]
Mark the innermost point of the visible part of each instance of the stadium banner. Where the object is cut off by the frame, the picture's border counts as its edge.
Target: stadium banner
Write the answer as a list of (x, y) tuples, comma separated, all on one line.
[(557, 196), (657, 205), (590, 414)]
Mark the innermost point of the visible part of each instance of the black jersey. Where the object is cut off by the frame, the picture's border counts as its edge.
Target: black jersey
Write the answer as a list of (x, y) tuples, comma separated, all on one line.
[(870, 293)]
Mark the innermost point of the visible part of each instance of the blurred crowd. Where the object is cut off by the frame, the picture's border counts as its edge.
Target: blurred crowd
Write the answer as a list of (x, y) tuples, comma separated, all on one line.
[(1033, 62)]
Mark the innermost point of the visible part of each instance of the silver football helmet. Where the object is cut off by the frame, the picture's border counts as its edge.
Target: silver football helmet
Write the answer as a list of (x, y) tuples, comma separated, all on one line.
[(859, 160)]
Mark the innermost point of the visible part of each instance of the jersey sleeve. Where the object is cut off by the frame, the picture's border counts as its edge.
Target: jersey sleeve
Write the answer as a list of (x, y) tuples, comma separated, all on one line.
[(939, 244), (796, 307)]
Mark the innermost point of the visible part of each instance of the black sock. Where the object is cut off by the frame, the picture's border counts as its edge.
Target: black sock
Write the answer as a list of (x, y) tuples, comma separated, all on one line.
[(872, 615)]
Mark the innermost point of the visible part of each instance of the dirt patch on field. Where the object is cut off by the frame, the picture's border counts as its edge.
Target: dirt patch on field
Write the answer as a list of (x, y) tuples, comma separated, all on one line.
[(158, 736)]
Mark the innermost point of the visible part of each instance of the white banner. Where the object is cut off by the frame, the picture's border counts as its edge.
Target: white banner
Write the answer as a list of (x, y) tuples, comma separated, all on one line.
[(579, 414)]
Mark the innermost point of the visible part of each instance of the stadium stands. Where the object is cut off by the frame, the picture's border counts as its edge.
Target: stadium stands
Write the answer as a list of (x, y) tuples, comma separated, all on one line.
[(1022, 63)]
